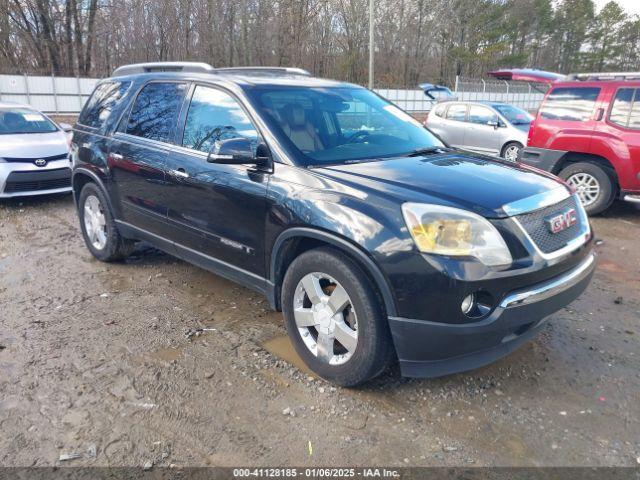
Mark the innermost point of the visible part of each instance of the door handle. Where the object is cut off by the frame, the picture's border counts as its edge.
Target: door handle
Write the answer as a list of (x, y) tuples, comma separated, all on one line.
[(116, 156), (180, 172)]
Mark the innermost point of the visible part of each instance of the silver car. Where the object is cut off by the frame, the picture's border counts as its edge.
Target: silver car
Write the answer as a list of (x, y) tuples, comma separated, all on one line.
[(484, 127), (34, 153)]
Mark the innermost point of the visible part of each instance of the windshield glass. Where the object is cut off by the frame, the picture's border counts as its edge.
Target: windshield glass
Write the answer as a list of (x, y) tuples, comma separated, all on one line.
[(24, 120), (336, 125), (514, 115)]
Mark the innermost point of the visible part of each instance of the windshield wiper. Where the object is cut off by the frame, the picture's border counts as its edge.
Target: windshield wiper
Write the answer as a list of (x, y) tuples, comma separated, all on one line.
[(427, 151)]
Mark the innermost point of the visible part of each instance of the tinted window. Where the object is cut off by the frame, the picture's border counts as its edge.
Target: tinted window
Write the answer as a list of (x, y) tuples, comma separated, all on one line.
[(481, 115), (625, 110), (571, 104), (514, 115), (104, 99), (334, 125), (457, 112), (155, 111), (24, 120), (214, 115)]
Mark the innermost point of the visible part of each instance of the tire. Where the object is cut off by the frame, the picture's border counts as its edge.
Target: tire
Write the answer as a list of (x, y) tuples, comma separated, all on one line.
[(511, 150), (591, 176), (364, 315), (109, 245)]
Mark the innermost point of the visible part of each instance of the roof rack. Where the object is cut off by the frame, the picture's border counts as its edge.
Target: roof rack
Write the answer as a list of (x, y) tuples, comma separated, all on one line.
[(191, 67), (263, 71), (605, 76)]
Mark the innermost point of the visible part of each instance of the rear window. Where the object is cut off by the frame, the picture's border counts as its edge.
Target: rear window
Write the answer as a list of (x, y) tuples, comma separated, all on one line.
[(155, 111), (570, 104), (105, 97), (626, 108)]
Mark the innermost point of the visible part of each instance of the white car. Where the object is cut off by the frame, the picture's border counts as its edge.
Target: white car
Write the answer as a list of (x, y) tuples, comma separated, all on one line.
[(34, 153)]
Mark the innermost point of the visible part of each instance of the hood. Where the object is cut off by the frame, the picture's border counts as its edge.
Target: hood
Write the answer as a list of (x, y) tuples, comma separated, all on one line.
[(33, 145), (460, 179)]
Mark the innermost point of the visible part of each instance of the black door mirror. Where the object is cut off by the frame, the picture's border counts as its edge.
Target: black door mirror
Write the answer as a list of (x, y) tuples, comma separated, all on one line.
[(493, 123), (233, 151)]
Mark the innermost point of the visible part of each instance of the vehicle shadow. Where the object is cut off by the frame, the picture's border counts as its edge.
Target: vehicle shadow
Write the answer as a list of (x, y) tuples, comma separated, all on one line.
[(37, 201)]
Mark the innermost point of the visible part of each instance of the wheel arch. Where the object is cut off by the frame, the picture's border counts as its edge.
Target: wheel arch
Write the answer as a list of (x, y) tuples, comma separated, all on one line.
[(295, 241), (577, 157), (80, 178)]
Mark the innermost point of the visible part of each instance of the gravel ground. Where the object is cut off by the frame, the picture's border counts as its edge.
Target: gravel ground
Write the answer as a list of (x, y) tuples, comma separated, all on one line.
[(156, 362)]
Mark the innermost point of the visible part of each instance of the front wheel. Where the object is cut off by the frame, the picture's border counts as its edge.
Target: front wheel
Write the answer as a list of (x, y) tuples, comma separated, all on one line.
[(511, 151), (334, 318), (594, 186)]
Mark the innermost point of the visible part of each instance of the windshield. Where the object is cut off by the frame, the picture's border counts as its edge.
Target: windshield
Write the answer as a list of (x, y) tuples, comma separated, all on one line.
[(24, 120), (514, 115), (337, 125)]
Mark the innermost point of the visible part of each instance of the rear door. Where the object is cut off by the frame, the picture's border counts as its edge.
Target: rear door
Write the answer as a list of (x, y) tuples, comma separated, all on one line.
[(617, 137), (453, 124), (480, 136), (138, 154)]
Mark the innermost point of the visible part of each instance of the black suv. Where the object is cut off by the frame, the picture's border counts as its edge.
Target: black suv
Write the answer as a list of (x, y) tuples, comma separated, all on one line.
[(373, 237)]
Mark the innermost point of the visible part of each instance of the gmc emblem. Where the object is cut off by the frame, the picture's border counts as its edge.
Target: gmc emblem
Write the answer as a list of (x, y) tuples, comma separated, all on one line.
[(562, 221)]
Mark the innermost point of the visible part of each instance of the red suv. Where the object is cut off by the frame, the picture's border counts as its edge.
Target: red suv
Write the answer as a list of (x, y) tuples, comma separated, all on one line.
[(587, 131)]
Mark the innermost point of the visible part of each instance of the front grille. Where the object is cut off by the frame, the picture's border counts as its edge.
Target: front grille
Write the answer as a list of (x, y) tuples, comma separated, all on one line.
[(62, 156), (37, 181), (534, 224)]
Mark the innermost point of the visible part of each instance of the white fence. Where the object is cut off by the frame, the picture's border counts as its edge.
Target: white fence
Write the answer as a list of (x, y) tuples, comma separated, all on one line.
[(59, 95), (67, 95)]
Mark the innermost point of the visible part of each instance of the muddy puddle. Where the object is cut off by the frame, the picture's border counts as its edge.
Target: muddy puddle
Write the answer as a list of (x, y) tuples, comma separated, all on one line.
[(282, 348)]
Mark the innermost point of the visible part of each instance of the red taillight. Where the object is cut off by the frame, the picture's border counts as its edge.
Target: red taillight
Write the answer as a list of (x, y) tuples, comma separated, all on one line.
[(530, 134)]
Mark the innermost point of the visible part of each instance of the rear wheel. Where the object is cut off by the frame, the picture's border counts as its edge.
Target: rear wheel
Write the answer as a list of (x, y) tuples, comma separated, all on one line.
[(98, 227), (511, 151), (334, 318), (593, 184)]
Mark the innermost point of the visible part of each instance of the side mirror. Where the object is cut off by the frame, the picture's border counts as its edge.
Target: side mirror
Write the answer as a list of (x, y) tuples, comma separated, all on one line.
[(493, 123), (65, 127), (233, 151)]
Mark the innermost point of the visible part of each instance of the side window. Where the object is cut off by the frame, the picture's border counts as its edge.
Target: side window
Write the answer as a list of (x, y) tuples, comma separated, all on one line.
[(457, 112), (626, 108), (214, 115), (155, 111), (571, 104), (104, 98), (481, 115)]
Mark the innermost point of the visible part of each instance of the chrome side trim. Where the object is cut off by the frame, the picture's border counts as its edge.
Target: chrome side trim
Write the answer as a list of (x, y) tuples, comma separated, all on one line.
[(535, 202), (632, 198), (581, 239), (552, 287)]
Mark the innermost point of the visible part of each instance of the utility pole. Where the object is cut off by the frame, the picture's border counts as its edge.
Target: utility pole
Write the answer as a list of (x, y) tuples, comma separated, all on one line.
[(371, 46)]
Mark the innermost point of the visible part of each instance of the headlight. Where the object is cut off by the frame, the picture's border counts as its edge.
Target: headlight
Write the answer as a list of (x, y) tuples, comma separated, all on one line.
[(454, 232)]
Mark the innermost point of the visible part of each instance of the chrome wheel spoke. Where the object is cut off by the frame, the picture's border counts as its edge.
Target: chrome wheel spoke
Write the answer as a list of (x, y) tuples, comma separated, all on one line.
[(348, 338), (338, 299), (311, 285), (304, 317), (325, 347)]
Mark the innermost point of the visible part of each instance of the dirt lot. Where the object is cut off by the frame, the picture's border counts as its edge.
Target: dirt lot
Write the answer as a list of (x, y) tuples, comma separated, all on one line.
[(106, 360)]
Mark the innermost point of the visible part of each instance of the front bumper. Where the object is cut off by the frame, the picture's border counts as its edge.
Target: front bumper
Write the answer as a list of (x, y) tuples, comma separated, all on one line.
[(431, 349), (26, 179)]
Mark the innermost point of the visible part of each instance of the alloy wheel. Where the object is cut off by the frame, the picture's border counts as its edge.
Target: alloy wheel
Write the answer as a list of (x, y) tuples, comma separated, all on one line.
[(95, 222), (587, 187), (325, 318), (512, 153)]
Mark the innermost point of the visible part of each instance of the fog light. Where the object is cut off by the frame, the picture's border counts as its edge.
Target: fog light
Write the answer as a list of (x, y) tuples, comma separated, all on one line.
[(468, 303)]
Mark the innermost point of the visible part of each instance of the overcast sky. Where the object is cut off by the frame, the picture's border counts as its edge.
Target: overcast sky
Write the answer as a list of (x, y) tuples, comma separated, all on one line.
[(631, 6)]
